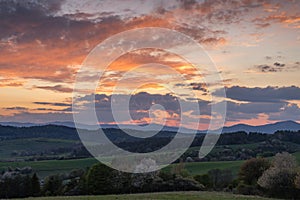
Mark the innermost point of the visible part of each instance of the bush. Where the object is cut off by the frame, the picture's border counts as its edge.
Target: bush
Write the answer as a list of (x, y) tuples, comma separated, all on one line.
[(279, 180), (220, 179), (179, 169), (204, 180), (53, 185), (297, 181), (245, 189), (252, 169)]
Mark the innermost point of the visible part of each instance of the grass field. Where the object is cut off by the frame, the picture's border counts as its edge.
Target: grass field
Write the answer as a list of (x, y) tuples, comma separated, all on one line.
[(297, 155), (45, 168), (161, 196), (203, 167), (31, 145), (48, 167)]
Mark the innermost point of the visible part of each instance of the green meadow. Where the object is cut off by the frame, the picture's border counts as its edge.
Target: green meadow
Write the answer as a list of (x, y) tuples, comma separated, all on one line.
[(49, 167)]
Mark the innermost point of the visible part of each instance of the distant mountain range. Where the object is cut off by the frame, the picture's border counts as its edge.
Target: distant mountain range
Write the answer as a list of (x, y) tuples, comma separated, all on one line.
[(267, 128), (142, 127)]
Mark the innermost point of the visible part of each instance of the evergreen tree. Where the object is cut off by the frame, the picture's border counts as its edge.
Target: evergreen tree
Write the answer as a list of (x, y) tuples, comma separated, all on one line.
[(35, 185), (99, 179)]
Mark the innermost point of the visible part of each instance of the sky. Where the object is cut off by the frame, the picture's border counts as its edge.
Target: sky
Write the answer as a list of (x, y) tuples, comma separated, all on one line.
[(254, 45)]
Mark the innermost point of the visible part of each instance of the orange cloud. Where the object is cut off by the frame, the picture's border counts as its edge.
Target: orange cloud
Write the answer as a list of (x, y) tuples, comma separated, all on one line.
[(56, 88), (10, 83), (283, 18), (150, 75), (39, 45)]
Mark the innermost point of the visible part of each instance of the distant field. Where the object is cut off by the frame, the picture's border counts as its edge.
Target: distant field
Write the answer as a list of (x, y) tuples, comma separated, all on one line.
[(297, 155), (161, 196), (48, 167), (45, 168), (31, 145), (203, 167)]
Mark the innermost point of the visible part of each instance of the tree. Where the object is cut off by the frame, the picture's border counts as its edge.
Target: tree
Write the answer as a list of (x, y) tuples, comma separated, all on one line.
[(13, 184), (204, 180), (297, 181), (75, 183), (252, 169), (35, 185), (99, 179), (179, 169), (279, 179), (53, 185), (220, 178)]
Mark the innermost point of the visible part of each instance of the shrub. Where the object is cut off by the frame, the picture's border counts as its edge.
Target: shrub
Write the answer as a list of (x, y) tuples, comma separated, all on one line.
[(220, 179), (245, 189), (204, 180), (279, 180), (53, 185), (252, 169)]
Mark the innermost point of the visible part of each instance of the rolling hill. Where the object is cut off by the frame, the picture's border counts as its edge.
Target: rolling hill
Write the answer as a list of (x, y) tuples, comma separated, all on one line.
[(267, 128)]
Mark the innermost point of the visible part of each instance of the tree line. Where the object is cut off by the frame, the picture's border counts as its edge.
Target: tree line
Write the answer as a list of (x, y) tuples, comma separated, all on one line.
[(279, 177)]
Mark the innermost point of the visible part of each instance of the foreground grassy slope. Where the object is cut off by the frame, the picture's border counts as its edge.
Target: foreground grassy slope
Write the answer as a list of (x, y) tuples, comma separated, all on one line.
[(161, 196)]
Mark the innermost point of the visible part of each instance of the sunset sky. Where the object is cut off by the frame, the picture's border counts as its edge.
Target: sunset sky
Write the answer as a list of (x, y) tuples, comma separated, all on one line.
[(255, 45)]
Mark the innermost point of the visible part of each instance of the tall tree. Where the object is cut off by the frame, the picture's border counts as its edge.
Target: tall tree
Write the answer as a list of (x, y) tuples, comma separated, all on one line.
[(99, 179), (35, 185)]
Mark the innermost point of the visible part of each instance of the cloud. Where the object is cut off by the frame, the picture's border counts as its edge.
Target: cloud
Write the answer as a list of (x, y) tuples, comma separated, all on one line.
[(267, 94), (268, 57), (57, 39), (199, 86), (228, 12), (8, 82), (17, 108), (267, 68), (32, 110), (188, 4), (38, 44), (40, 40), (141, 103), (288, 112), (276, 67), (263, 25), (48, 40), (237, 112), (253, 111), (53, 104), (35, 117), (285, 18), (270, 102), (277, 64), (255, 107), (56, 88), (194, 86)]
